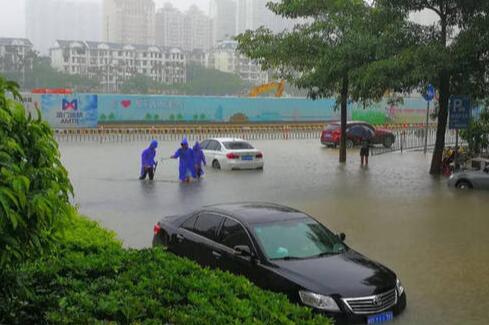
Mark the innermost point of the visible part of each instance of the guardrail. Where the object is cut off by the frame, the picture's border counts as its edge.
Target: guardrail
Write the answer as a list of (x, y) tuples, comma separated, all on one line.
[(270, 132), (414, 139), (408, 137)]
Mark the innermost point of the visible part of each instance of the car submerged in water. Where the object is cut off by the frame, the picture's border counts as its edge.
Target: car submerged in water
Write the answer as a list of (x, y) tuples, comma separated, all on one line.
[(284, 250), (232, 154), (475, 178), (356, 132)]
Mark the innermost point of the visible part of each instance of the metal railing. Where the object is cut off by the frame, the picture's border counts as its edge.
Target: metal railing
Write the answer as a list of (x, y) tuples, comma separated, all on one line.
[(406, 137), (414, 139), (278, 132)]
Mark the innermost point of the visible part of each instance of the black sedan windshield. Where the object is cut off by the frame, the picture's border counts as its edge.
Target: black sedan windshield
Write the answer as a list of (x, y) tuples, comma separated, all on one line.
[(296, 239)]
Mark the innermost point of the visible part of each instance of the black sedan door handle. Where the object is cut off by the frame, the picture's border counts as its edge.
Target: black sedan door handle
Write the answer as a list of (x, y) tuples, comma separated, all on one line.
[(216, 254)]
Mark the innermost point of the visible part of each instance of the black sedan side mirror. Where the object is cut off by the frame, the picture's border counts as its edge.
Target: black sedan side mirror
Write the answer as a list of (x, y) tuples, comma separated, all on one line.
[(242, 250), (342, 236)]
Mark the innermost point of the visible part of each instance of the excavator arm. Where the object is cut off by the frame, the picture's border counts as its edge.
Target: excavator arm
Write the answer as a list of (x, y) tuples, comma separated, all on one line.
[(279, 86)]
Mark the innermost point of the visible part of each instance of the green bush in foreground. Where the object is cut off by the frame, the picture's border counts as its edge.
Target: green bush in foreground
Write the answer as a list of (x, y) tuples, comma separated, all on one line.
[(34, 186), (92, 279)]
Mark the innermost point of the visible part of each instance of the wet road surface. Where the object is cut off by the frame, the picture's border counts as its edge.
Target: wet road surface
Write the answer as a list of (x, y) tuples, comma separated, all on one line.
[(434, 238)]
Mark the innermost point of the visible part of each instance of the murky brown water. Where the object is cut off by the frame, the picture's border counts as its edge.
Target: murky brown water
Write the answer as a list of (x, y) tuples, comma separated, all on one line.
[(434, 238)]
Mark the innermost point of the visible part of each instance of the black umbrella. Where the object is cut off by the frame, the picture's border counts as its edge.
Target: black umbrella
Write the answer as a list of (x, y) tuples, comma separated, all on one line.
[(361, 132)]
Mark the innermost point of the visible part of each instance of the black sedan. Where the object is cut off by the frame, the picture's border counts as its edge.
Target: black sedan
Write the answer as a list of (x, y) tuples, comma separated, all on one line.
[(285, 250)]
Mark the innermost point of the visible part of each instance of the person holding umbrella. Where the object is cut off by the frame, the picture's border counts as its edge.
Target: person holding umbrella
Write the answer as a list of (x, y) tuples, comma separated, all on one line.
[(365, 152), (363, 134)]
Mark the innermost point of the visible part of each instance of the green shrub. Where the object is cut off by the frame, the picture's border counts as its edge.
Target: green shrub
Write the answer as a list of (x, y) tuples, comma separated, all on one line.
[(34, 186), (92, 279), (477, 134)]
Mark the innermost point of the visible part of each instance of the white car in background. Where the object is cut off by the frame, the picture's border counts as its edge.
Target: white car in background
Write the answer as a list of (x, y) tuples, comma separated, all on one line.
[(231, 153)]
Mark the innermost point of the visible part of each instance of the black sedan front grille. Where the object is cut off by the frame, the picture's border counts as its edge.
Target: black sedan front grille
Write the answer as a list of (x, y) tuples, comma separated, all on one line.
[(372, 304)]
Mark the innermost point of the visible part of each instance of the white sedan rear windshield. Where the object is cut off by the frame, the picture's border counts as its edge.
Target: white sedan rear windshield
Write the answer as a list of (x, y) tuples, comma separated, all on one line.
[(237, 145), (331, 127)]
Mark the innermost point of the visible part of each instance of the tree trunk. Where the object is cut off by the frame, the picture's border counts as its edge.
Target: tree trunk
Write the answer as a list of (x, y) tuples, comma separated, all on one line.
[(442, 124), (443, 113), (344, 117)]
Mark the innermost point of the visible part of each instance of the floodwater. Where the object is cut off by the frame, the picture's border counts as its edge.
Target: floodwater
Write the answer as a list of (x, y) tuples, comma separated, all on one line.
[(434, 238)]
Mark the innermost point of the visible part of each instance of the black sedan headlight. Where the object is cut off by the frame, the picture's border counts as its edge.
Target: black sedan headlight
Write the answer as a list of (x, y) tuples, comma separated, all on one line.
[(318, 301), (399, 287)]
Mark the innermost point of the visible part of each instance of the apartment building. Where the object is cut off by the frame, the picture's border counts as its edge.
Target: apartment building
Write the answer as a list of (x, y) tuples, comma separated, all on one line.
[(225, 58), (114, 63), (16, 55)]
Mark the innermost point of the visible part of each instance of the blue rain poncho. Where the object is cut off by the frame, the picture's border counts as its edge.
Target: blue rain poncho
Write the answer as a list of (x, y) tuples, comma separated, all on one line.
[(148, 156), (199, 158), (186, 167)]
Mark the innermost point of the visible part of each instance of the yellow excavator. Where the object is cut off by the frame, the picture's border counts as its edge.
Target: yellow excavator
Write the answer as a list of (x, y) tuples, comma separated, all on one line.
[(280, 86)]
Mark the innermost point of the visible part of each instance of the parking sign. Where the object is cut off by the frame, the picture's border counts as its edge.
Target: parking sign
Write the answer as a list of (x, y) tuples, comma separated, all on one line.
[(460, 112)]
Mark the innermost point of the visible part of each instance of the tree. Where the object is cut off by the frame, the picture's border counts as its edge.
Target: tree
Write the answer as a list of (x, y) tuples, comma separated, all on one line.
[(347, 49), (477, 135), (42, 75), (453, 54), (141, 84), (202, 81), (34, 186)]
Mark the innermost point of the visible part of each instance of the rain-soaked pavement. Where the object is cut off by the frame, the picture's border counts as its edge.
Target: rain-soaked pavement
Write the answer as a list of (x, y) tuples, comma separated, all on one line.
[(434, 238)]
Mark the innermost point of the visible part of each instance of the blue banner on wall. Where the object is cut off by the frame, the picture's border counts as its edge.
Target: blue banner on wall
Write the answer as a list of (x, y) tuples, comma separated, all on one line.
[(214, 109), (67, 111)]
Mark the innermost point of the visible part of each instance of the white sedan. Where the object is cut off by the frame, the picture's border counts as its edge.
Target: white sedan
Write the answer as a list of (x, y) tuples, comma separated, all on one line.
[(231, 153)]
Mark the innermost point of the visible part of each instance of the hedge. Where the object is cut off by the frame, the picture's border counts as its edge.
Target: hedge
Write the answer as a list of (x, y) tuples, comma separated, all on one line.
[(92, 279)]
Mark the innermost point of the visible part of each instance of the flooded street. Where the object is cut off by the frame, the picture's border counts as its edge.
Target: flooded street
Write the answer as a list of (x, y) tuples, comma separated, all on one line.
[(434, 238)]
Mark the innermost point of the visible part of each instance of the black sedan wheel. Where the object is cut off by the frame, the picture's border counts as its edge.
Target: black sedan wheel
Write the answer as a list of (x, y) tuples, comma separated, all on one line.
[(464, 185), (388, 142), (216, 164)]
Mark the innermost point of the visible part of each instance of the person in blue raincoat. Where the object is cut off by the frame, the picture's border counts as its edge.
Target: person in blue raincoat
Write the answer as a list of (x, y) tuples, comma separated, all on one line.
[(148, 163), (186, 167), (199, 159)]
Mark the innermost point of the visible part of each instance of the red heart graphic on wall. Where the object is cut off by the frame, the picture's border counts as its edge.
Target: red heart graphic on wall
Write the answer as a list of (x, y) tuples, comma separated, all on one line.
[(126, 103)]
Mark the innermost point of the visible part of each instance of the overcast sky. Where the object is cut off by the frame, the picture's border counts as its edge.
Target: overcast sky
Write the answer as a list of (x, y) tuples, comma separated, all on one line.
[(12, 20)]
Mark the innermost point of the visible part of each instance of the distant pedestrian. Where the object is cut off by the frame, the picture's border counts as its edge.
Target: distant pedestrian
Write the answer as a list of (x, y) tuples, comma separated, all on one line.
[(199, 159), (365, 152), (186, 169), (148, 163)]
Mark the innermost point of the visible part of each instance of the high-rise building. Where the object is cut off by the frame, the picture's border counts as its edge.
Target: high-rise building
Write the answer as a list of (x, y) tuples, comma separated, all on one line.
[(197, 30), (129, 21), (49, 20), (252, 14), (223, 15), (169, 27)]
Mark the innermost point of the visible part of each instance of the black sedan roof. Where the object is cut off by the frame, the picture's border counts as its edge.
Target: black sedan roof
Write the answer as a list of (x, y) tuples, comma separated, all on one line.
[(257, 212)]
